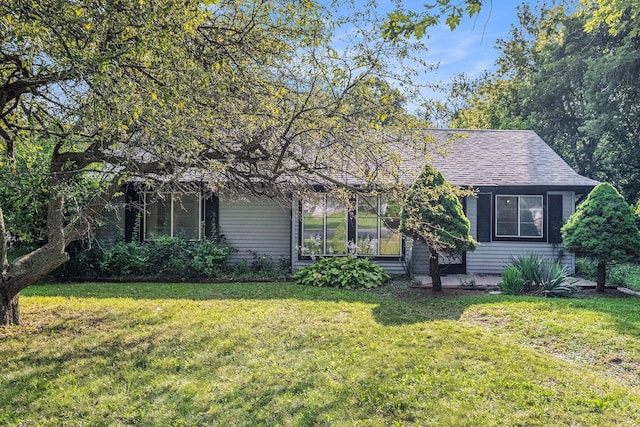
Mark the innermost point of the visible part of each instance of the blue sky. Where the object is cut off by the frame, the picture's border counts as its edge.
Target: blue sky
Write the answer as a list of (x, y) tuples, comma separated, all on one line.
[(470, 48)]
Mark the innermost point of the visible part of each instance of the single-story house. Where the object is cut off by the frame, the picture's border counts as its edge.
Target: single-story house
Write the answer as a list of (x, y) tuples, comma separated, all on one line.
[(525, 192)]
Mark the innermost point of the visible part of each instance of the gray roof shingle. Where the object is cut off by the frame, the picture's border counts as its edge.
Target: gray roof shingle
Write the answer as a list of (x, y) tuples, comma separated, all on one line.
[(502, 158)]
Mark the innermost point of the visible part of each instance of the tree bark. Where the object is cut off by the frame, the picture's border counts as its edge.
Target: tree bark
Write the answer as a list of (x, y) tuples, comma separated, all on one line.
[(602, 276), (36, 265), (24, 272), (10, 311), (434, 269)]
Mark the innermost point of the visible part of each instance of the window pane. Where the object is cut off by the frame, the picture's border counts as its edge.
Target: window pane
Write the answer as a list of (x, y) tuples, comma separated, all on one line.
[(336, 234), (367, 223), (158, 216), (531, 216), (186, 216), (389, 222), (313, 225), (507, 215)]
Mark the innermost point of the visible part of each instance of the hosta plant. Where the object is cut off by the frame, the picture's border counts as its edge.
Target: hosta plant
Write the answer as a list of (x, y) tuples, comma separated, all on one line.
[(346, 272)]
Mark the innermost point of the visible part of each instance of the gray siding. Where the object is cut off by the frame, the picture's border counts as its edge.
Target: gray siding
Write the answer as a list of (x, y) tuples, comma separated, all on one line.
[(257, 225), (491, 257)]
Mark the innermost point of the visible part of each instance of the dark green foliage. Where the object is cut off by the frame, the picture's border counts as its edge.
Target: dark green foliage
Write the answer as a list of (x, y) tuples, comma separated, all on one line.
[(618, 275), (529, 266), (262, 266), (166, 257), (577, 88), (533, 273), (126, 259), (586, 267), (512, 281), (432, 213), (603, 227), (342, 272)]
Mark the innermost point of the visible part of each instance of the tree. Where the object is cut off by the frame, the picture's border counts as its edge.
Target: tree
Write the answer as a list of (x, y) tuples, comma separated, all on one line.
[(245, 95), (403, 23), (432, 214), (603, 227), (573, 82)]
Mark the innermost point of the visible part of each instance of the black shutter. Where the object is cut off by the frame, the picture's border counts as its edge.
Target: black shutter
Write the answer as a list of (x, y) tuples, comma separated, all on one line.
[(554, 217), (132, 210), (211, 222), (484, 217)]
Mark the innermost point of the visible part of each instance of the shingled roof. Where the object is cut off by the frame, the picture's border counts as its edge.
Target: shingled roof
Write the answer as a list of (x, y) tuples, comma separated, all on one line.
[(502, 158)]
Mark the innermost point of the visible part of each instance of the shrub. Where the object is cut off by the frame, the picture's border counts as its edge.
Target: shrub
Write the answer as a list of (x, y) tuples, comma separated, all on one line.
[(342, 272), (586, 268), (529, 267), (554, 280), (241, 269), (512, 281), (537, 274), (617, 276), (168, 257), (210, 258), (172, 256), (125, 259)]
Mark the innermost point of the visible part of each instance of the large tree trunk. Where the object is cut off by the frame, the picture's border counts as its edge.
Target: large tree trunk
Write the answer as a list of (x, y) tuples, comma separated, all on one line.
[(434, 269), (602, 276), (10, 311), (36, 265), (23, 272)]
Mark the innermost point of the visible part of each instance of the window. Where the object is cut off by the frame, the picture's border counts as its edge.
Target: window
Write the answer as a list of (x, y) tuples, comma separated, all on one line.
[(172, 214), (519, 216), (377, 222), (326, 229), (324, 226)]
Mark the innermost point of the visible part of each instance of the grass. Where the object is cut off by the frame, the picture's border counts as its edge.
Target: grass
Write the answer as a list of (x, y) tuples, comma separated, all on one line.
[(630, 274), (282, 354), (626, 275)]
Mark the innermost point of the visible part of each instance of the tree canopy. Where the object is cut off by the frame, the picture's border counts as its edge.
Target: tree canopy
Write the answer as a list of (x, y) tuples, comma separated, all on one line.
[(572, 75), (248, 96), (432, 214), (604, 228)]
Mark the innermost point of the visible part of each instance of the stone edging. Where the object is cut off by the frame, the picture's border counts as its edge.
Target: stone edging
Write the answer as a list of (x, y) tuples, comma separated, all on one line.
[(629, 291)]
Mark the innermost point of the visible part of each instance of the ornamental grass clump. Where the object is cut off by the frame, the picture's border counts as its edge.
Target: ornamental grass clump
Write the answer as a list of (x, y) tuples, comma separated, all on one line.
[(555, 282), (530, 266), (533, 273), (512, 281), (342, 272)]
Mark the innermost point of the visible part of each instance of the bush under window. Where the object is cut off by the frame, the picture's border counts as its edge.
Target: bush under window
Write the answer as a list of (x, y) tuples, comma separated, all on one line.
[(342, 272)]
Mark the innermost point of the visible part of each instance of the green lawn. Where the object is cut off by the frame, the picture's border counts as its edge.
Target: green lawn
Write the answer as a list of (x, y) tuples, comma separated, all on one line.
[(281, 354)]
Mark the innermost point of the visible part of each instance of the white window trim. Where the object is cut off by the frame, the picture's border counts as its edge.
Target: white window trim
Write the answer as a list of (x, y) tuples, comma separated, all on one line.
[(518, 196), (171, 196)]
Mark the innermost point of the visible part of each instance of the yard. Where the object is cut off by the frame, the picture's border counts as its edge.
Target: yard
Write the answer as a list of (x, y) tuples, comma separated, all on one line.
[(282, 354)]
